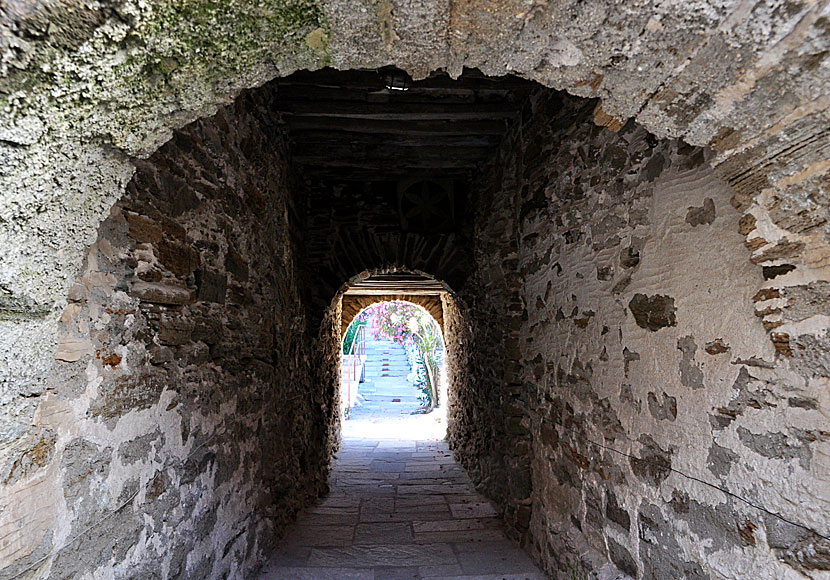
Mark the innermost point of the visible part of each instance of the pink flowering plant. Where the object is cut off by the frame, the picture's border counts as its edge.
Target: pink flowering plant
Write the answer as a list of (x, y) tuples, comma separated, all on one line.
[(392, 321), (406, 323)]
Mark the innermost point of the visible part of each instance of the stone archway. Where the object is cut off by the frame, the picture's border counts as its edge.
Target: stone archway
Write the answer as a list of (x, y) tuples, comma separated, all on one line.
[(433, 296), (107, 85), (372, 287), (87, 93)]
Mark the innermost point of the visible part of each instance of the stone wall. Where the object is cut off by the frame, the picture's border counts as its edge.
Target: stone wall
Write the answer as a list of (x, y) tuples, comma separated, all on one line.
[(183, 424), (487, 428), (672, 436)]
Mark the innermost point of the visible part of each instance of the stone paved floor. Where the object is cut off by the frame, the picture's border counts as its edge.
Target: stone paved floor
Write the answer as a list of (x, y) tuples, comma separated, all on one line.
[(400, 507), (399, 510)]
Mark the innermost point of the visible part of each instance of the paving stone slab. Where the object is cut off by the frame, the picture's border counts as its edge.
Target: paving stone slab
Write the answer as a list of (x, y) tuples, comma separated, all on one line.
[(405, 573), (316, 574), (440, 572), (495, 557), (393, 555), (472, 510), (451, 525), (323, 535), (395, 513), (403, 516), (530, 575), (461, 536), (383, 533)]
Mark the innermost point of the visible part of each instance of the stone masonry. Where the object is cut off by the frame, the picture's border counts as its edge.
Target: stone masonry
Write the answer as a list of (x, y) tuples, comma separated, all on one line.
[(182, 373), (636, 274), (650, 384)]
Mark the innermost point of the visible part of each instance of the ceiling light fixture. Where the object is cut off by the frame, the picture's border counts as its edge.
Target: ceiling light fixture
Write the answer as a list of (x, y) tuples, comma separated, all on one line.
[(396, 79)]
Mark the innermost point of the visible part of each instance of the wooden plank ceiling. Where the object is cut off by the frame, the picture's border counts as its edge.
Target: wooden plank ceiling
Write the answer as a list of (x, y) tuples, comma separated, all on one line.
[(347, 125), (393, 284)]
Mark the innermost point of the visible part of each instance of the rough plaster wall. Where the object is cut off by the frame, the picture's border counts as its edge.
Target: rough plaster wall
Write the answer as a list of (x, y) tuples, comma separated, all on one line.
[(646, 361), (83, 87), (182, 425)]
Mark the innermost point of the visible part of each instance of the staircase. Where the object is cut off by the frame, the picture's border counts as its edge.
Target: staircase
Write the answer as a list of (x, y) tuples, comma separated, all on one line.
[(386, 392), (385, 359)]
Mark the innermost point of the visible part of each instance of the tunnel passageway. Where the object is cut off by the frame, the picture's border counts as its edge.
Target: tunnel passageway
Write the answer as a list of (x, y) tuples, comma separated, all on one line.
[(635, 329), (399, 510)]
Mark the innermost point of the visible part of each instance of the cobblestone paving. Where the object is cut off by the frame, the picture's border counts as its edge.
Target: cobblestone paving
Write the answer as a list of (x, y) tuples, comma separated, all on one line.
[(399, 510)]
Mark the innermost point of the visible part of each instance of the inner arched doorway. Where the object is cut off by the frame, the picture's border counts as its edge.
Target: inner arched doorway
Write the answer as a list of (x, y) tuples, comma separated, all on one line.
[(392, 379), (385, 319)]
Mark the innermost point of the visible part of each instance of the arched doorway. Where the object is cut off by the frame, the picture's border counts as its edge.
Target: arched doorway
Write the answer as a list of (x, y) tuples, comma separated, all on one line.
[(393, 379)]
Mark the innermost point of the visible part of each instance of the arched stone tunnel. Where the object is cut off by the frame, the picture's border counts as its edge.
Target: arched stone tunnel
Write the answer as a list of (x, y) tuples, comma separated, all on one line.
[(625, 208)]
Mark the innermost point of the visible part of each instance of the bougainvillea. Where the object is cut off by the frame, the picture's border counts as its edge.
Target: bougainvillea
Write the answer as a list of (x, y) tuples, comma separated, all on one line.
[(406, 323)]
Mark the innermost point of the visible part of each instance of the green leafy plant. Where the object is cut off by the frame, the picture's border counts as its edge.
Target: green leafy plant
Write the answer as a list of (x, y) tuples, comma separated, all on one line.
[(406, 323), (351, 331)]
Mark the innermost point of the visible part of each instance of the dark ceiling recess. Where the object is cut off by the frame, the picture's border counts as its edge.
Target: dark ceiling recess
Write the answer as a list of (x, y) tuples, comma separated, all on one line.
[(348, 126), (427, 205)]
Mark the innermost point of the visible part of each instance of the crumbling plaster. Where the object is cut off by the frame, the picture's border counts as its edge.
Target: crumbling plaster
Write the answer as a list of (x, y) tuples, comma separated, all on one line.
[(667, 423)]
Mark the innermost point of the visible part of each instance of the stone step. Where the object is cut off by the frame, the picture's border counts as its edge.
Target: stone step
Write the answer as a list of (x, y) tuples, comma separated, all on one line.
[(395, 364), (389, 366)]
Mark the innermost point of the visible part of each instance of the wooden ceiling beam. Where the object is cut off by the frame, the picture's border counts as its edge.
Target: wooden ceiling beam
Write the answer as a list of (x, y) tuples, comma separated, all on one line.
[(303, 93), (346, 126), (414, 128), (318, 137), (380, 167), (471, 79), (392, 290), (376, 174), (398, 111)]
